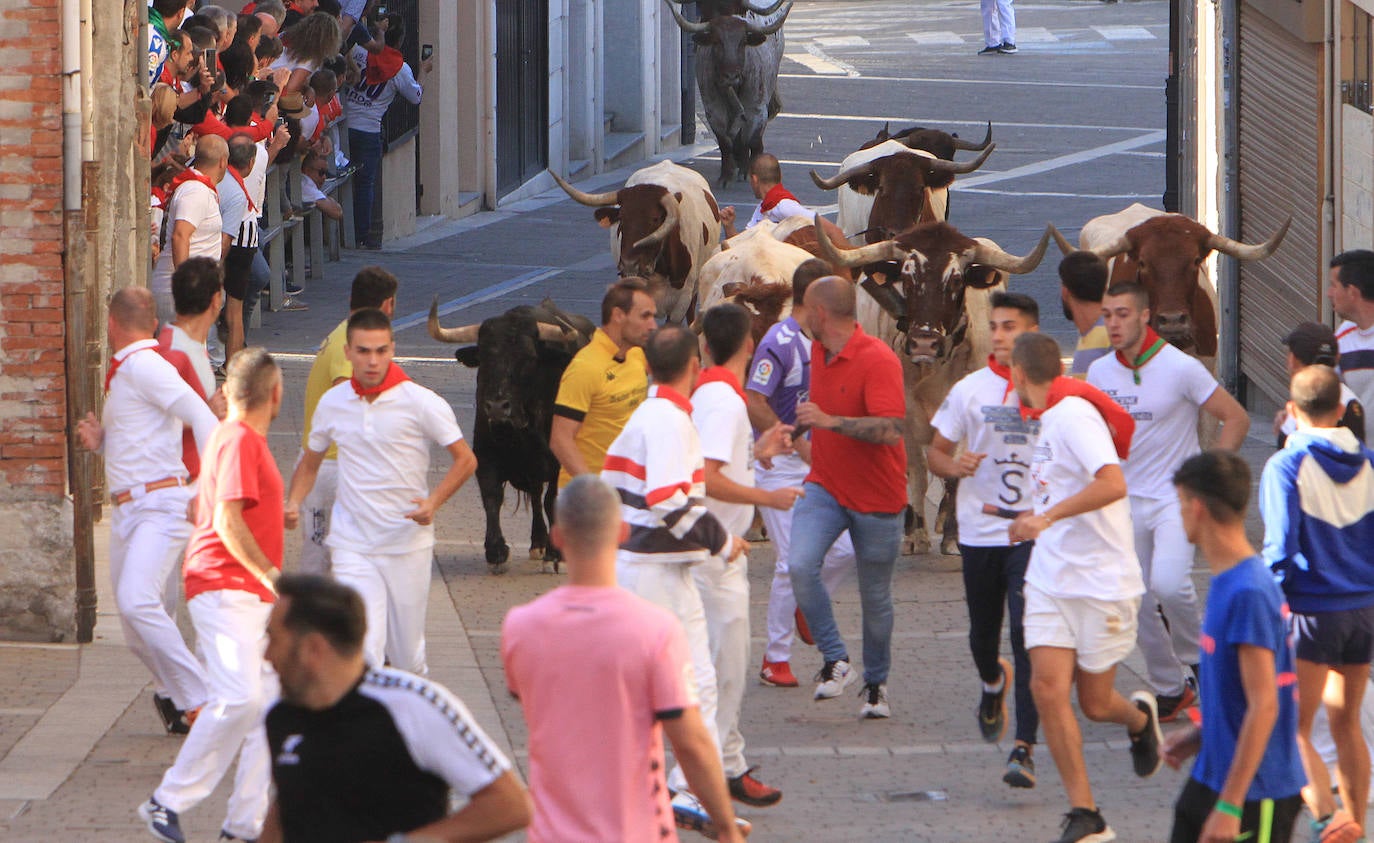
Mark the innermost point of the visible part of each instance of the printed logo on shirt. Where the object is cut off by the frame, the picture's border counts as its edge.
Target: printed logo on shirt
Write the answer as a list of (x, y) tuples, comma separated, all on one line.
[(763, 372), (1013, 469), (1129, 401), (288, 756)]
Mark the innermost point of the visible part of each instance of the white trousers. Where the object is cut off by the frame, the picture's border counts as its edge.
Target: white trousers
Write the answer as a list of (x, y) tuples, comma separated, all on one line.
[(231, 628), (395, 592), (672, 586), (147, 538), (999, 22), (315, 510), (724, 588), (1166, 564), (836, 568)]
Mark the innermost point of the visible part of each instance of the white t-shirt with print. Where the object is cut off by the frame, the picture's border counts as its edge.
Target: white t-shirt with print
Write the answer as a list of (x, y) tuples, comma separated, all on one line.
[(722, 421), (982, 411), (1173, 386), (1356, 349), (1088, 555), (197, 204)]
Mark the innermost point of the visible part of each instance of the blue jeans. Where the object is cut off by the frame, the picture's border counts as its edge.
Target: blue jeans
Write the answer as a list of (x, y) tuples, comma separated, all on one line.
[(364, 150), (817, 520)]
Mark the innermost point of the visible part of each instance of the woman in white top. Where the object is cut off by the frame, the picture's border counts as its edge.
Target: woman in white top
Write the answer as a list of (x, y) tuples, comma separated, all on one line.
[(309, 44)]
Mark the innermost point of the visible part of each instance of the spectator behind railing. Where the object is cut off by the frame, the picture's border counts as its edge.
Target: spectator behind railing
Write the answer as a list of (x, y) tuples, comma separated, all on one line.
[(225, 22), (164, 19), (249, 31), (309, 44)]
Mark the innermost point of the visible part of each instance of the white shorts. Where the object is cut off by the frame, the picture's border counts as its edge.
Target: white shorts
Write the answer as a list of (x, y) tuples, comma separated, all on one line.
[(1100, 632)]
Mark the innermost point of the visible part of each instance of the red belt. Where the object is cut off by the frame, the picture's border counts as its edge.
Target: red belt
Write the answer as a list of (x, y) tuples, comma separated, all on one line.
[(139, 491)]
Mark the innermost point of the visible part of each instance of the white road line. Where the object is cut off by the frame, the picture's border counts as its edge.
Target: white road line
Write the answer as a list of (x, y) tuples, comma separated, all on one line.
[(816, 65), (816, 51), (1050, 195), (485, 294), (926, 121), (1062, 161), (843, 41), (1035, 35), (940, 38), (1001, 83), (1125, 33)]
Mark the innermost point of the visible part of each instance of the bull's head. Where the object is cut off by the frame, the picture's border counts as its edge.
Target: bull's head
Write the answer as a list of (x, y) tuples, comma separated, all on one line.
[(508, 353), (1164, 254), (932, 265), (727, 37), (937, 143), (713, 8), (898, 186)]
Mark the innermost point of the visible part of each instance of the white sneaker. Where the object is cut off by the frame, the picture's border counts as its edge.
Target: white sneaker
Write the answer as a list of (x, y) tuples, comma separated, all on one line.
[(833, 679), (689, 814), (875, 702)]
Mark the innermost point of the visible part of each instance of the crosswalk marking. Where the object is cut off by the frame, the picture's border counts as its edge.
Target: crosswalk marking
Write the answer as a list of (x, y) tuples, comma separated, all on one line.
[(1035, 35), (929, 39), (816, 64), (843, 41), (1125, 33)]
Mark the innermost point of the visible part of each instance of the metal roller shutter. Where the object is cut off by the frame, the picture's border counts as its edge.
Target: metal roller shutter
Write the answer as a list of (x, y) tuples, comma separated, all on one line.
[(1280, 176)]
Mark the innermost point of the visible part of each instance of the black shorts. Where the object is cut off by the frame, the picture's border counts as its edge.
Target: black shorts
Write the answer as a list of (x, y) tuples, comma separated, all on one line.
[(1335, 638), (238, 271), (1262, 819)]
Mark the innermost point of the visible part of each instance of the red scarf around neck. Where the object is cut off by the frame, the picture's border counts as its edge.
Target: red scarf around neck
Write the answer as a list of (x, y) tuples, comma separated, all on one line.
[(1003, 372), (383, 65), (1151, 345), (1119, 422), (191, 174), (393, 376), (776, 194), (238, 178), (719, 374)]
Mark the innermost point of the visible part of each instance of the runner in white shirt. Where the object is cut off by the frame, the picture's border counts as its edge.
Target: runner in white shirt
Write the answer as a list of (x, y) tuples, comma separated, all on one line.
[(1083, 583), (192, 223), (776, 203), (381, 534), (727, 446), (147, 403), (983, 412), (1351, 291), (1163, 389)]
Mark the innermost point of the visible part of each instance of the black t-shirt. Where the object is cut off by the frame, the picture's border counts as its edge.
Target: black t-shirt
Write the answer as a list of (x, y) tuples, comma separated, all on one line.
[(381, 760)]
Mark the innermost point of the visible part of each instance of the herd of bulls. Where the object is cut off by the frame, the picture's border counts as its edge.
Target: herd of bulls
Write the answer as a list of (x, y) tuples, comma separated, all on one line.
[(925, 286)]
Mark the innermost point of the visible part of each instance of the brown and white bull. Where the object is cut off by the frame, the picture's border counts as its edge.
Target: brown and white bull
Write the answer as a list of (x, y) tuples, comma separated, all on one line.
[(1167, 253), (755, 270), (664, 226), (935, 284)]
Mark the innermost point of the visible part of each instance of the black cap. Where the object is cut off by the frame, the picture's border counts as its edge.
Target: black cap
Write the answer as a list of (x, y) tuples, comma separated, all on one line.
[(1312, 343)]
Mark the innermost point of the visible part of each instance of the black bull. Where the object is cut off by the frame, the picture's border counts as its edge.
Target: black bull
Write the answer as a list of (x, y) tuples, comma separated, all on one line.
[(520, 357)]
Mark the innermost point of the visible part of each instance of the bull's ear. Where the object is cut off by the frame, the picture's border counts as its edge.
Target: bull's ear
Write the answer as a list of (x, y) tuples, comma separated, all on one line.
[(981, 277), (467, 355), (754, 39), (607, 217), (865, 183), (882, 273)]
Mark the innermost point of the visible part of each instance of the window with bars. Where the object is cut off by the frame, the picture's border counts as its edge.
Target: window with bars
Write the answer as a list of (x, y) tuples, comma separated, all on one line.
[(1357, 58), (402, 120)]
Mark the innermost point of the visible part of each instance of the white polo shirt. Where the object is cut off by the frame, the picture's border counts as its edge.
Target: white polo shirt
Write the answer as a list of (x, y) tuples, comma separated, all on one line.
[(383, 463), (722, 421), (983, 411), (1173, 385), (1088, 555), (145, 411)]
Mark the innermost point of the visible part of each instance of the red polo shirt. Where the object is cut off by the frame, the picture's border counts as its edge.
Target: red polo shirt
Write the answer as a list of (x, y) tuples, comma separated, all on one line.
[(864, 379)]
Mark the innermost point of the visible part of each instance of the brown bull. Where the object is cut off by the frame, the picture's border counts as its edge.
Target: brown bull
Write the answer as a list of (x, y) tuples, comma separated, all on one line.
[(937, 143)]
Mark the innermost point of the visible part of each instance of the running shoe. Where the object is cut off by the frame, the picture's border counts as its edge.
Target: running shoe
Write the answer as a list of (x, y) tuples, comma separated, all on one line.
[(803, 631), (990, 51), (874, 695), (1007, 48), (749, 790), (1173, 705), (1145, 745), (777, 674), (224, 835), (689, 814), (162, 822), (1082, 825), (833, 678), (992, 707), (1020, 768)]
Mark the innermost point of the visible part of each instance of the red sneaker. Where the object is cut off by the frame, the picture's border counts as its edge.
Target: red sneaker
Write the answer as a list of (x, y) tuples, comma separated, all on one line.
[(749, 790), (803, 631), (777, 674)]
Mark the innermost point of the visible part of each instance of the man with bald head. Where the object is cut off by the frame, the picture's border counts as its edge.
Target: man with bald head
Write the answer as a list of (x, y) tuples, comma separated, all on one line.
[(776, 203), (192, 226), (147, 404), (856, 412)]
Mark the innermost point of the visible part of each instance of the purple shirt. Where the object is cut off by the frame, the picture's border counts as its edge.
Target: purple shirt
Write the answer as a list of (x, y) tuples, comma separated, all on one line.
[(781, 371)]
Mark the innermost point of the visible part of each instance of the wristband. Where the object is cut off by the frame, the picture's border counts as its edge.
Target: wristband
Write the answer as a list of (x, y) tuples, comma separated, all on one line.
[(1224, 807)]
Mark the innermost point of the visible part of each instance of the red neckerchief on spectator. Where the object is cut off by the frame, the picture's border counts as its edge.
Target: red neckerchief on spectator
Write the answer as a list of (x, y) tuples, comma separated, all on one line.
[(250, 9), (393, 377), (238, 178), (190, 174), (776, 194), (720, 374), (167, 78), (116, 362), (159, 197), (1119, 422), (1149, 347), (1003, 372), (384, 65)]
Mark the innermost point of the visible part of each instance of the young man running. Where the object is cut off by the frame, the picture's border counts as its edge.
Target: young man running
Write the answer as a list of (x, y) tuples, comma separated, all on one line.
[(1247, 782), (1083, 582), (983, 412)]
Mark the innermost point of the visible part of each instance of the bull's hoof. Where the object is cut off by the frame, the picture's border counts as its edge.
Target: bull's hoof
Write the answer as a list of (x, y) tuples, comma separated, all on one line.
[(916, 544), (498, 568), (497, 557), (551, 560), (949, 546), (537, 552)]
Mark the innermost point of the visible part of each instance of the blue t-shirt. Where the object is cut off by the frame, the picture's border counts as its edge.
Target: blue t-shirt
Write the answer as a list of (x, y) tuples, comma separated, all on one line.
[(1245, 606), (781, 371)]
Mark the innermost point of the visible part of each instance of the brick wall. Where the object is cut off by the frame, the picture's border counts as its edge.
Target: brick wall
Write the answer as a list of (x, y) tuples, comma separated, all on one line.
[(35, 545)]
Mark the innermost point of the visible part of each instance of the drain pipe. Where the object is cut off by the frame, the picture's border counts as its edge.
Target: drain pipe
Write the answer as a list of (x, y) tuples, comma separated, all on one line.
[(1334, 150), (1228, 268)]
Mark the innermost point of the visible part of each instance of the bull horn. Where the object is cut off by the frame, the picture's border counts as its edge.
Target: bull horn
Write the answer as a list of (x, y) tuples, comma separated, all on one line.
[(887, 250), (591, 200), (1119, 246), (775, 25), (764, 12), (549, 332), (989, 255), (1064, 245), (689, 26), (465, 334), (838, 179), (1245, 251), (970, 146), (941, 165), (670, 216)]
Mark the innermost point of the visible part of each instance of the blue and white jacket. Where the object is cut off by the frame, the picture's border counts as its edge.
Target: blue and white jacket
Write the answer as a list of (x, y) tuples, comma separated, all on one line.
[(1317, 500)]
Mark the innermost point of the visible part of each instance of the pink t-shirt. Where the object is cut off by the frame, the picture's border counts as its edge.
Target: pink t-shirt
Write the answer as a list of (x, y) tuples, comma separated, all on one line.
[(593, 668)]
